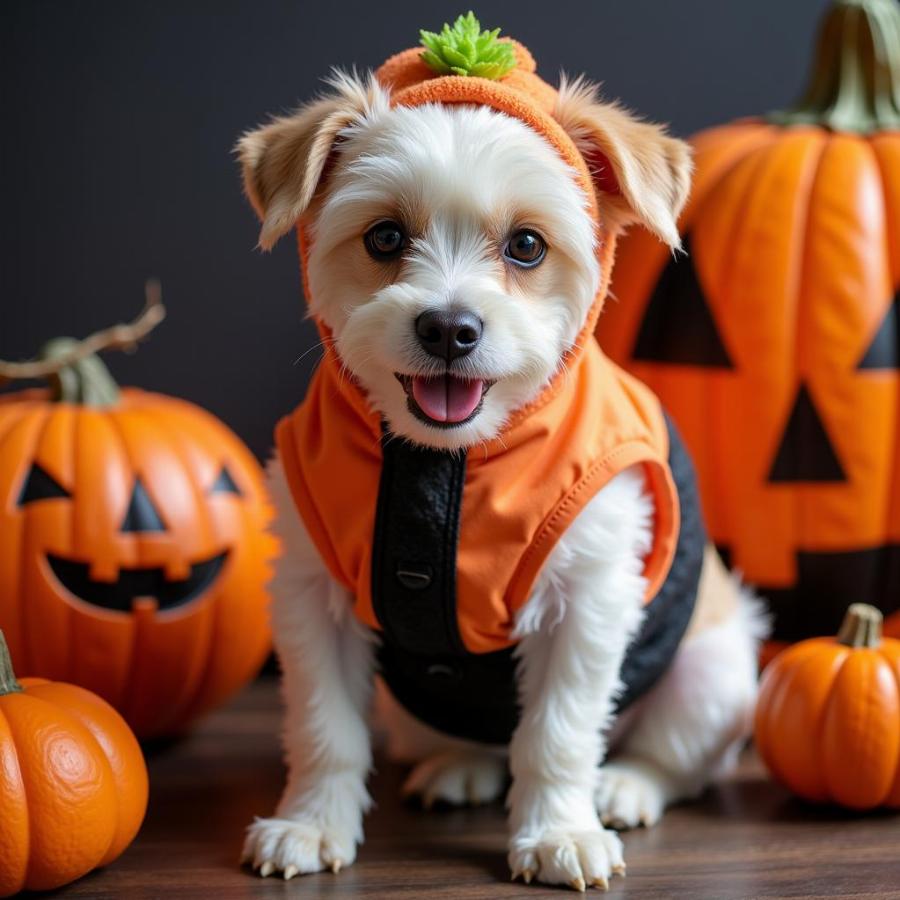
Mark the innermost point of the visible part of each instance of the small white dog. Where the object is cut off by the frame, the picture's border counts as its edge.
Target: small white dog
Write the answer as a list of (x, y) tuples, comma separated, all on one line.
[(452, 261)]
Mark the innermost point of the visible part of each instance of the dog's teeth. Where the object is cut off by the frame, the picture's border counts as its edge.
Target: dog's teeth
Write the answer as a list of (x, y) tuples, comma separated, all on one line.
[(266, 869)]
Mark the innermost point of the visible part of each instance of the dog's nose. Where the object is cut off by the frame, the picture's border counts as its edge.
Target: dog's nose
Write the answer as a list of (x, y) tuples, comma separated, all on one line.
[(448, 334)]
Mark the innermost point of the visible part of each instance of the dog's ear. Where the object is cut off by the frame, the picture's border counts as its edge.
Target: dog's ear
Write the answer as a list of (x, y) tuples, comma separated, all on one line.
[(284, 161), (640, 173)]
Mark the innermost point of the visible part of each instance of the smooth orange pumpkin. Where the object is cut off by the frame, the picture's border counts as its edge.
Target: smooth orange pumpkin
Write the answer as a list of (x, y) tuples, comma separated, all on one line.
[(775, 342), (133, 551), (73, 784), (828, 715)]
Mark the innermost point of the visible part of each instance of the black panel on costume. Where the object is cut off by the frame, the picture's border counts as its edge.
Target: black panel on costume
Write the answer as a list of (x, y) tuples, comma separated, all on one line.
[(471, 695)]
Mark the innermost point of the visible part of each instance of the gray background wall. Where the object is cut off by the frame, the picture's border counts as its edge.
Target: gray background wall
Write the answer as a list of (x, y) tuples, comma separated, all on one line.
[(117, 119)]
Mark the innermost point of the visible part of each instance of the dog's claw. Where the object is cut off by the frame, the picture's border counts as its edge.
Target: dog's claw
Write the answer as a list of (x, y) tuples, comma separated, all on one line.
[(601, 883), (619, 869), (336, 866), (290, 872), (266, 869), (579, 884), (527, 875)]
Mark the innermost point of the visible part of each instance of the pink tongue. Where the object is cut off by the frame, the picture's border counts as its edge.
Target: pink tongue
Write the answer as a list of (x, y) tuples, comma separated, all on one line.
[(447, 399)]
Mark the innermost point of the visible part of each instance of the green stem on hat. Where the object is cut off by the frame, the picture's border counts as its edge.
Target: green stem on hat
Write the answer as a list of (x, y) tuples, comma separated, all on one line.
[(8, 683), (72, 367), (855, 83)]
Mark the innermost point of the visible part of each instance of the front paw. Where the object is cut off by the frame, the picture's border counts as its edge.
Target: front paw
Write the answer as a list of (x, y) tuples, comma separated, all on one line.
[(296, 847), (579, 859)]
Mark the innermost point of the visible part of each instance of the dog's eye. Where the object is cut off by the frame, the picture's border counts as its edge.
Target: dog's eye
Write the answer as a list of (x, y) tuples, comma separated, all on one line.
[(525, 248), (385, 240)]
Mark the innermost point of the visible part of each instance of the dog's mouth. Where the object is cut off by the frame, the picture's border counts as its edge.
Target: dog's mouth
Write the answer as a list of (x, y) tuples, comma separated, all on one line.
[(444, 401), (133, 585)]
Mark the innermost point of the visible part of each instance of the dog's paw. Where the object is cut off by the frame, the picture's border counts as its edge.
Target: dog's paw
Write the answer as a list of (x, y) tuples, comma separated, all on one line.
[(290, 847), (580, 859), (630, 794), (457, 777)]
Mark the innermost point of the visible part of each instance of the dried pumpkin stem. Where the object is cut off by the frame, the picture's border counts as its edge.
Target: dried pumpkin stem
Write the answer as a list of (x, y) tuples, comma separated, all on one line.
[(72, 367), (8, 683), (855, 83), (861, 626)]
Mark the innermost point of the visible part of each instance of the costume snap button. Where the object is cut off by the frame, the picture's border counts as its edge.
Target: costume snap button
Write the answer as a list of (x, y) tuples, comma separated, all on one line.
[(414, 577), (444, 672)]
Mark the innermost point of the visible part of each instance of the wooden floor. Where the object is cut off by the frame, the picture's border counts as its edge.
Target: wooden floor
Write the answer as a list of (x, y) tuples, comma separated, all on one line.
[(746, 839)]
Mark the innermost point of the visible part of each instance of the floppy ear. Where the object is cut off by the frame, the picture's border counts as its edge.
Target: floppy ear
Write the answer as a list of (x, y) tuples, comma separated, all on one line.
[(284, 161), (640, 173)]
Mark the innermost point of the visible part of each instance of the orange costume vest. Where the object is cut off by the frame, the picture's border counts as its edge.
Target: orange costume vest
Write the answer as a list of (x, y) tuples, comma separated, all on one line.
[(441, 550)]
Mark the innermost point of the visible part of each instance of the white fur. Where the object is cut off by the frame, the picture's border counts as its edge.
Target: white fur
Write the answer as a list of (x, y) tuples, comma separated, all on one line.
[(462, 179)]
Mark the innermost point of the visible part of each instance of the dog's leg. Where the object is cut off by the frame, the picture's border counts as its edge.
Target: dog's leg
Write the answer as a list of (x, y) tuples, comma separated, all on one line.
[(327, 663), (574, 630), (690, 728)]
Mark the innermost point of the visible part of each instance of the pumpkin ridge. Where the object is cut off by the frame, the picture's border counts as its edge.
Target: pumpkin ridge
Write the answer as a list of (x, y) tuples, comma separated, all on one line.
[(61, 715), (717, 175), (207, 670), (172, 438), (860, 664), (25, 835)]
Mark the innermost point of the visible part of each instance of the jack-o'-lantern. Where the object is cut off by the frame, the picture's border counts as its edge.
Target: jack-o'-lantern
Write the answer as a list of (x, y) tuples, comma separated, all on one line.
[(774, 341), (133, 551)]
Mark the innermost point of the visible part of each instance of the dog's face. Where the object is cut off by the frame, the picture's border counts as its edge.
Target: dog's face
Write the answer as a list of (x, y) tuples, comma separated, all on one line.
[(452, 254)]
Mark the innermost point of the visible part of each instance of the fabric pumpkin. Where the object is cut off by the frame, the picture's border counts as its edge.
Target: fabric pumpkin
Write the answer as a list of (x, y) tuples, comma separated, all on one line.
[(828, 715), (133, 552), (775, 340), (73, 784)]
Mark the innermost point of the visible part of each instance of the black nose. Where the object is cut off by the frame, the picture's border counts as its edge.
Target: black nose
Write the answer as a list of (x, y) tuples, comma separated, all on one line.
[(448, 334)]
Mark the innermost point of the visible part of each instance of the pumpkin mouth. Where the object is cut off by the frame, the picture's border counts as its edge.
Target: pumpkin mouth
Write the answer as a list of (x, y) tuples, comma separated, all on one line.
[(149, 584)]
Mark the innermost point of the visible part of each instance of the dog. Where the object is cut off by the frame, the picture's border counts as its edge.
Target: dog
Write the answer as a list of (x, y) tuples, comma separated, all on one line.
[(455, 258)]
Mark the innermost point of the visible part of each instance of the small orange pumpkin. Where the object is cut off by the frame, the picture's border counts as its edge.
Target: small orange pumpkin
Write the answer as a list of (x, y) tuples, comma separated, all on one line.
[(73, 784), (828, 716), (133, 552)]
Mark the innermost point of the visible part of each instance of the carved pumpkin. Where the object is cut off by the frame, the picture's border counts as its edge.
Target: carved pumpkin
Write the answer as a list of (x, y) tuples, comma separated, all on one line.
[(828, 715), (133, 555), (73, 784), (775, 340)]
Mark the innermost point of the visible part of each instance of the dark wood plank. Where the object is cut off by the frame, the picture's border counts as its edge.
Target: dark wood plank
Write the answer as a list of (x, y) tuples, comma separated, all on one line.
[(745, 839)]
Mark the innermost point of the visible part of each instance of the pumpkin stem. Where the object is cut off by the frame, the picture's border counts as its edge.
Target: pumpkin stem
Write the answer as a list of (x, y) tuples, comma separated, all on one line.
[(855, 83), (861, 626), (72, 367), (8, 683)]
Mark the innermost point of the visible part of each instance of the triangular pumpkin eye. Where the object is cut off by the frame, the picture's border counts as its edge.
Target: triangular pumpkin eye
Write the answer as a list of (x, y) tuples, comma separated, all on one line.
[(225, 484), (142, 515), (806, 452), (678, 324), (40, 485), (883, 351)]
